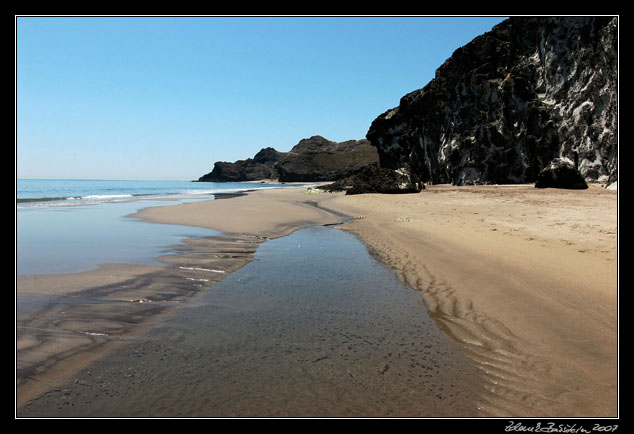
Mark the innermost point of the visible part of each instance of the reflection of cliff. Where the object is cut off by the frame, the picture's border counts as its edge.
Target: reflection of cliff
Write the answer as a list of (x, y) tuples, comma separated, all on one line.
[(502, 107), (312, 159)]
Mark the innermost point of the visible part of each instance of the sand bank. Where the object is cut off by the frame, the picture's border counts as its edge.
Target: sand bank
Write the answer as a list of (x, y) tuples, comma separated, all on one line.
[(269, 213)]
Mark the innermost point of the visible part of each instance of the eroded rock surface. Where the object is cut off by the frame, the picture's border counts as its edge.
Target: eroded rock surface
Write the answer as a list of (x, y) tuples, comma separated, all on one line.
[(502, 107)]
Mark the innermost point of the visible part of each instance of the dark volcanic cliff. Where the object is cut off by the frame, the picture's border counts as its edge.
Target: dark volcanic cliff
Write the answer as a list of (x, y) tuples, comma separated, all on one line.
[(502, 107)]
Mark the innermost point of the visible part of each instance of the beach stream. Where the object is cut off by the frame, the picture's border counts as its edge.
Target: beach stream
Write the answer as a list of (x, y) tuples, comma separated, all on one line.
[(312, 327)]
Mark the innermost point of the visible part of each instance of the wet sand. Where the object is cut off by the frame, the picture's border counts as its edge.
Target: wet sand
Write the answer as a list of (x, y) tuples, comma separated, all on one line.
[(523, 280), (313, 327), (66, 321)]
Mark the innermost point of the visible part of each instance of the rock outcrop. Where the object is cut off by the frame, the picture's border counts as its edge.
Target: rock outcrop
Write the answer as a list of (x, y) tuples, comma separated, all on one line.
[(311, 160), (319, 159), (260, 167), (374, 179), (502, 107)]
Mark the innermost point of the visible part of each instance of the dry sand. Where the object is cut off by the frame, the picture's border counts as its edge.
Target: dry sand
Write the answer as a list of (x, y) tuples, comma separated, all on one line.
[(524, 279)]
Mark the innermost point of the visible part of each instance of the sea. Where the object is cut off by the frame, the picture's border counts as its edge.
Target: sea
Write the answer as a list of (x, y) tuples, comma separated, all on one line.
[(74, 225), (38, 193)]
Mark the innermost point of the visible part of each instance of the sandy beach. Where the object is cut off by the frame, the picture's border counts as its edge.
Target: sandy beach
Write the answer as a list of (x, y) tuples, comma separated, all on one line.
[(526, 279), (523, 280)]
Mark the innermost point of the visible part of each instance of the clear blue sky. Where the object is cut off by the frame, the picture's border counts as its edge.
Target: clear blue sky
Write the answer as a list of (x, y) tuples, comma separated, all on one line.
[(166, 97)]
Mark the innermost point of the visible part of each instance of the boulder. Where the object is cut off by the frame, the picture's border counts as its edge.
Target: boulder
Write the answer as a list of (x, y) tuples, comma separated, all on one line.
[(560, 173), (374, 179)]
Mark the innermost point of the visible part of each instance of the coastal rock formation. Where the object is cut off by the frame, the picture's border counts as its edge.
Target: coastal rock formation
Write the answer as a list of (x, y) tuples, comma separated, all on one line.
[(319, 159), (260, 167), (502, 107), (312, 159), (374, 179)]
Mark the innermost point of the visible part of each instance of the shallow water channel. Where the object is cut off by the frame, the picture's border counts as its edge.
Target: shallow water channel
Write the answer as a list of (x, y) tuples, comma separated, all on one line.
[(313, 327)]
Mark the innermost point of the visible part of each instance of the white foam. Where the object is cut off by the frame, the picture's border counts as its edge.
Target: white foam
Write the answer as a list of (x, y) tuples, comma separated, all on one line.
[(212, 191), (93, 333), (106, 196), (202, 269)]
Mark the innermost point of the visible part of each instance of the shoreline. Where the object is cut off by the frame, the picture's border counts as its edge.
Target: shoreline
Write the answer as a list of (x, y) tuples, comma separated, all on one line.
[(524, 279), (60, 336)]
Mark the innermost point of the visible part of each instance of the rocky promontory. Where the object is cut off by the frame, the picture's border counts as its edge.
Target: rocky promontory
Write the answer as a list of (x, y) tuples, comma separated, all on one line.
[(319, 159), (312, 159), (260, 167)]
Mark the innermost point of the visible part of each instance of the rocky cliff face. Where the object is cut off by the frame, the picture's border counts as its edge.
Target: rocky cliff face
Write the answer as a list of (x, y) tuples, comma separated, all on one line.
[(502, 107)]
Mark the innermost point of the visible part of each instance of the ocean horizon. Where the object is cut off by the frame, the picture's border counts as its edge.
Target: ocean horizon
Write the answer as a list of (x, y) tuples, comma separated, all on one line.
[(71, 192), (74, 225)]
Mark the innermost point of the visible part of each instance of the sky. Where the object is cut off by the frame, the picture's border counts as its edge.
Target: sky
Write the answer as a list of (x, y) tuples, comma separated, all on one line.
[(164, 97)]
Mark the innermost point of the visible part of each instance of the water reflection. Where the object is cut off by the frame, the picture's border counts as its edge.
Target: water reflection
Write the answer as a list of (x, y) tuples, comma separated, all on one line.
[(75, 239), (314, 327)]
